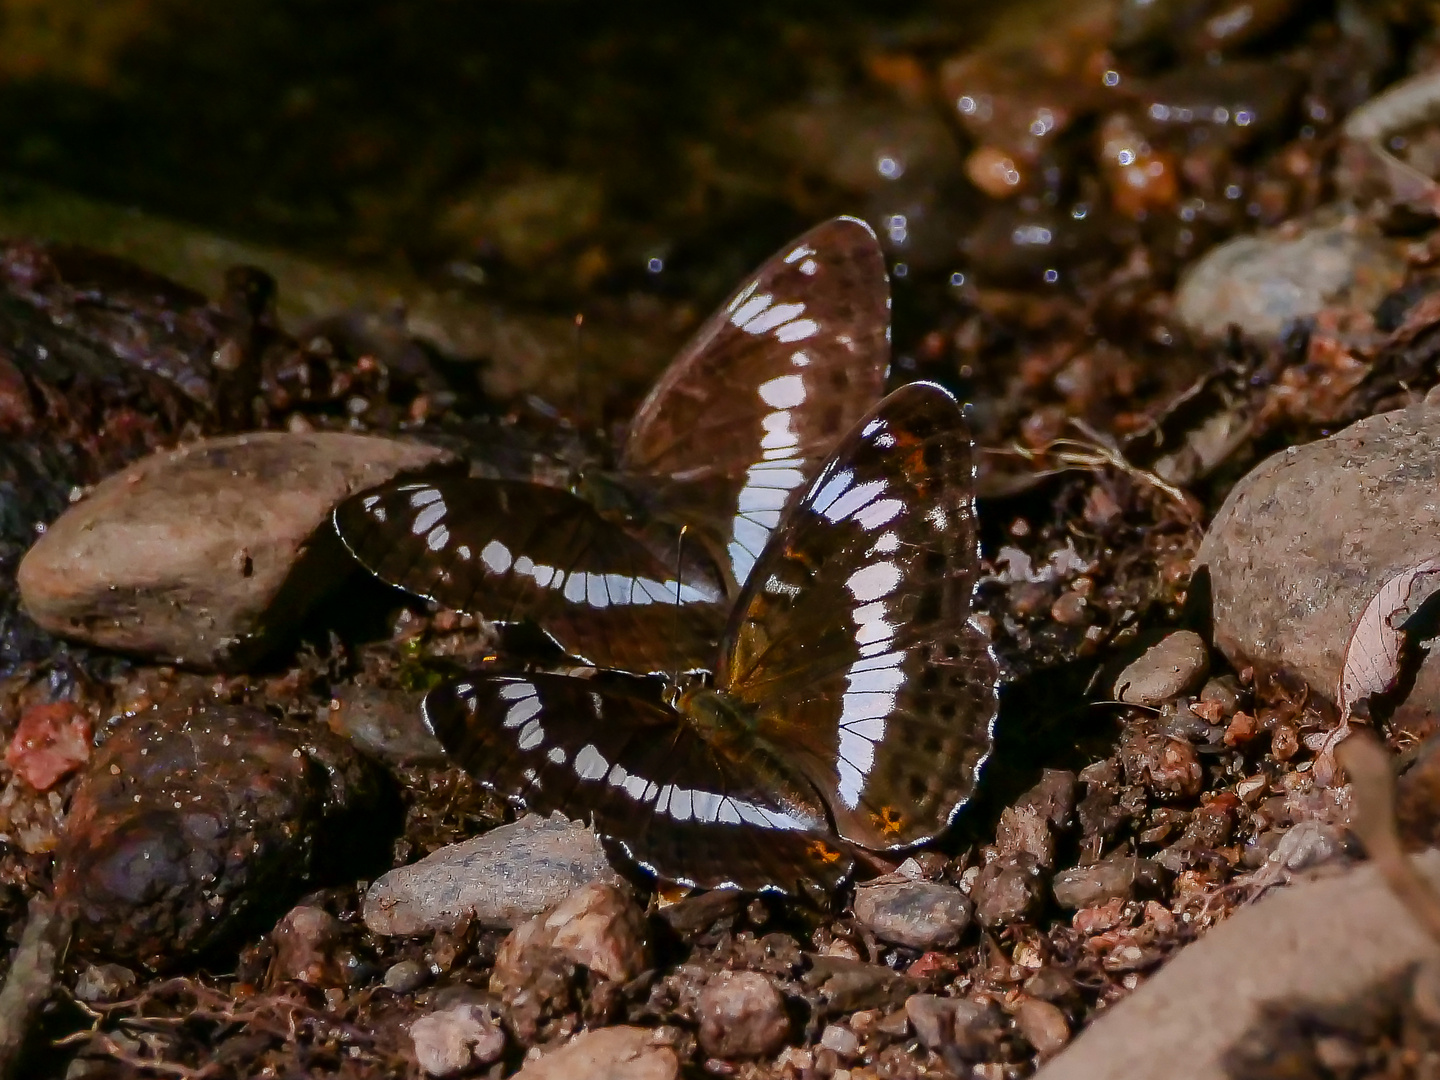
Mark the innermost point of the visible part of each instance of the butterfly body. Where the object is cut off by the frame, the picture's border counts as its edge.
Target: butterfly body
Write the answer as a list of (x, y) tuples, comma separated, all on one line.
[(851, 703)]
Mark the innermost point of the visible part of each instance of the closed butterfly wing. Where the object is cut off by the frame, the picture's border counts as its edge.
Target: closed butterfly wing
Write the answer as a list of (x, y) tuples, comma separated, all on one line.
[(514, 551), (851, 643), (642, 777), (752, 405)]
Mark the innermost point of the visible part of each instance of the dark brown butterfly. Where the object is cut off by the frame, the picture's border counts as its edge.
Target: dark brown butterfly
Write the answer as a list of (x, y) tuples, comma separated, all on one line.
[(738, 423), (852, 703)]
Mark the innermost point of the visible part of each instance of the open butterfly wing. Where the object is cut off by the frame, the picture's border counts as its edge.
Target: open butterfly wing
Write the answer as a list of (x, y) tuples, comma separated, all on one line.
[(851, 641), (513, 551), (645, 780), (757, 398)]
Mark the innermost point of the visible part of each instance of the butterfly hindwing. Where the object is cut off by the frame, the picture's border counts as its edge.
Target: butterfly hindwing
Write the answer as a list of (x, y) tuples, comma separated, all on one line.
[(753, 403), (641, 775), (517, 551), (851, 642)]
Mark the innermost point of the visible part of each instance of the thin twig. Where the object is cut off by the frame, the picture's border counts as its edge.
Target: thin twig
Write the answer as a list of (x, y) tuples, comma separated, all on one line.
[(1372, 785), (1095, 454)]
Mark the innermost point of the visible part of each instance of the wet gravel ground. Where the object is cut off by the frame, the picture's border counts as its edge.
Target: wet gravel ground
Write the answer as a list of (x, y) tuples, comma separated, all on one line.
[(1120, 817)]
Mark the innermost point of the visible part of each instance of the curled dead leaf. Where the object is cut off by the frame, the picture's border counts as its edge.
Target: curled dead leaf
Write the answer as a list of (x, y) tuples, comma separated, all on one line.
[(1373, 655)]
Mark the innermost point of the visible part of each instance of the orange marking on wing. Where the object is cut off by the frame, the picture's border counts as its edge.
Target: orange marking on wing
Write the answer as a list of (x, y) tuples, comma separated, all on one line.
[(818, 849), (888, 820)]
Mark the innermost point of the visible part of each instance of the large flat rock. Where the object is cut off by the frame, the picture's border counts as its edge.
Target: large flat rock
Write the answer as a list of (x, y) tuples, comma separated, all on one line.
[(499, 880), (1321, 942), (203, 555), (1310, 535)]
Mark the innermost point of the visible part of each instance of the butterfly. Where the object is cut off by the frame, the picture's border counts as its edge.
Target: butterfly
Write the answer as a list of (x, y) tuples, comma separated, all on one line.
[(741, 419), (852, 704)]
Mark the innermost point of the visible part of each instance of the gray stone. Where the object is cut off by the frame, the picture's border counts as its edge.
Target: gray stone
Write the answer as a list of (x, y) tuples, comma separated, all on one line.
[(499, 880), (1311, 534), (1262, 283), (205, 555), (1165, 671), (1007, 889), (842, 1040), (612, 1053), (454, 1040), (405, 976), (917, 914), (1085, 886)]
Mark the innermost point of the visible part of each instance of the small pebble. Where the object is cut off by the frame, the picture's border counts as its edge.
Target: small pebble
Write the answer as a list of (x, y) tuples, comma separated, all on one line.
[(304, 940), (942, 1023), (741, 1015), (405, 976), (1007, 889), (1050, 984), (1086, 886), (598, 927), (917, 914), (842, 1040), (1043, 1025), (1224, 691), (1165, 670), (103, 982), (1069, 610), (453, 1040), (1263, 283)]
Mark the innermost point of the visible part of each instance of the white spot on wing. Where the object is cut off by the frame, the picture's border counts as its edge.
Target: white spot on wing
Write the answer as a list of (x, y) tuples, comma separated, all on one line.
[(496, 557), (783, 391), (590, 764)]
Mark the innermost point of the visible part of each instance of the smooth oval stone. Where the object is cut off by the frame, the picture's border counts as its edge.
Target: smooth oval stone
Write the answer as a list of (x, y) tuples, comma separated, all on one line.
[(1311, 534), (1165, 670), (205, 555)]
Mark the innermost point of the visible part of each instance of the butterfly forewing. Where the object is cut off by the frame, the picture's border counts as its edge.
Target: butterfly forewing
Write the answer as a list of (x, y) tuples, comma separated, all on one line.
[(851, 641), (644, 779), (515, 551), (755, 401)]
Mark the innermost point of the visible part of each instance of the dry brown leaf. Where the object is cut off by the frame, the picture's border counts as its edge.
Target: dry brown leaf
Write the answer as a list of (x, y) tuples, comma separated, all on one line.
[(1372, 656)]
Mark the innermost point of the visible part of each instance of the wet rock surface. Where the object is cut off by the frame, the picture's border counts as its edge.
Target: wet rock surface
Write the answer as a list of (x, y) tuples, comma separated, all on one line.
[(198, 555), (499, 880), (188, 826), (1311, 534)]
